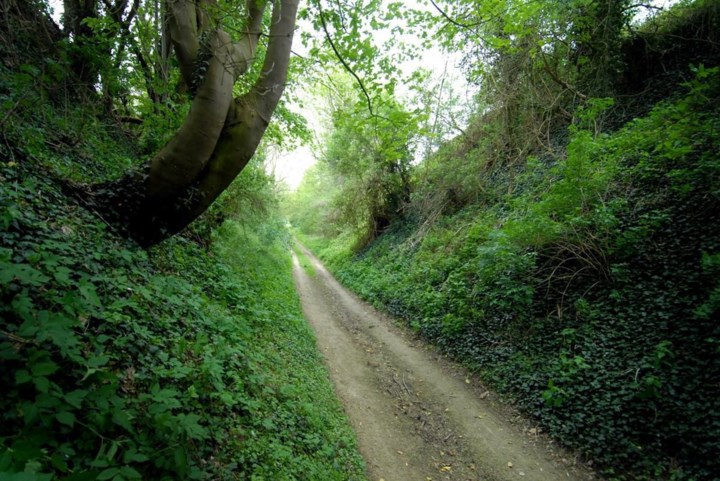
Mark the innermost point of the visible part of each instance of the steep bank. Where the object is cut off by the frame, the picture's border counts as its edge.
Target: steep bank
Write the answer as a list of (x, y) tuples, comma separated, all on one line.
[(585, 290), (184, 362), (417, 415)]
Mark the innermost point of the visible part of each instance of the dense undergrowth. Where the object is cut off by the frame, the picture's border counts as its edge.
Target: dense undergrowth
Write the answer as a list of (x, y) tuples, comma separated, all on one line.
[(584, 288), (179, 363), (187, 361)]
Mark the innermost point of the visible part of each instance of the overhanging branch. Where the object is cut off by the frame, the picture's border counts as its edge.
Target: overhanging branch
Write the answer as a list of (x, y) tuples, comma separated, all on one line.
[(558, 80), (342, 59), (452, 20)]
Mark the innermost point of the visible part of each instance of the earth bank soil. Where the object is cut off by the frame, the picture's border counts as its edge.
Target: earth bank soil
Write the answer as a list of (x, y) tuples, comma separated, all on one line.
[(417, 416)]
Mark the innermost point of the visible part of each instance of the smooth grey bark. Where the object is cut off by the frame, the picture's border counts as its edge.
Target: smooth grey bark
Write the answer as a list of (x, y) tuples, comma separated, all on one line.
[(220, 134)]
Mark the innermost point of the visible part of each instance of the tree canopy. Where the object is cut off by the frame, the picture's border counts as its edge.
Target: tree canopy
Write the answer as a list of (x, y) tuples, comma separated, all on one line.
[(216, 70)]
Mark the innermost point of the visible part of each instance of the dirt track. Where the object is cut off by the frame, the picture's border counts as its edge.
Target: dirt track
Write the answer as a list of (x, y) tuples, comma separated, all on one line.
[(417, 416)]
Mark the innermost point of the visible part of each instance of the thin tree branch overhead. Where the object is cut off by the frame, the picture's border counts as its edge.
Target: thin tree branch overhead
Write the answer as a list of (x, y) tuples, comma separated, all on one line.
[(342, 59), (452, 20)]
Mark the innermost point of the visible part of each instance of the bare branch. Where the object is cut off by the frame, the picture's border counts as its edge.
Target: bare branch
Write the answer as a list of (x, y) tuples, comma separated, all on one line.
[(133, 11), (558, 80), (130, 120)]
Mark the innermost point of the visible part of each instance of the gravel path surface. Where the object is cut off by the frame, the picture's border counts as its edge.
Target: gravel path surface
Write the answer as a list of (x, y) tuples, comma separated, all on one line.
[(419, 417)]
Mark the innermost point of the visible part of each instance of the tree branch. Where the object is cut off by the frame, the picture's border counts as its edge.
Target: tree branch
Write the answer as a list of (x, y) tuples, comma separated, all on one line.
[(133, 11), (558, 80), (256, 10), (453, 21), (247, 47), (270, 85), (130, 120), (116, 13), (342, 60), (183, 26)]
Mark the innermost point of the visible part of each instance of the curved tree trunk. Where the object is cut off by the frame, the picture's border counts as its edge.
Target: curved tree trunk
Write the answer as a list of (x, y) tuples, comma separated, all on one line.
[(220, 134), (187, 153)]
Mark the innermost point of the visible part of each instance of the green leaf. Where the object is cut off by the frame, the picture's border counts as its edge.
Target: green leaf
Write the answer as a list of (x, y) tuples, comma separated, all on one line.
[(23, 305), (89, 293), (59, 463), (75, 398), (99, 463), (132, 456), (44, 368), (108, 473), (122, 419), (98, 361), (181, 461), (62, 275), (130, 473), (66, 418), (23, 273), (112, 451), (189, 423), (22, 377), (42, 384)]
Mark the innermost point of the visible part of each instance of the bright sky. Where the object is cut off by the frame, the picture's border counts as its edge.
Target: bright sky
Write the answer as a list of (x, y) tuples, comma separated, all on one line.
[(290, 166)]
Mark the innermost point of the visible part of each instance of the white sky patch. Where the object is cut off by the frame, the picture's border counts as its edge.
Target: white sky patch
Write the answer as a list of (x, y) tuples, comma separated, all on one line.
[(290, 167), (56, 10)]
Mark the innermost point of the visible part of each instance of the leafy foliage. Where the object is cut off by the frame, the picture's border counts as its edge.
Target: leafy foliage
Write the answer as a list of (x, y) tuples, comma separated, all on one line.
[(587, 292), (190, 361), (178, 364), (576, 269), (364, 177)]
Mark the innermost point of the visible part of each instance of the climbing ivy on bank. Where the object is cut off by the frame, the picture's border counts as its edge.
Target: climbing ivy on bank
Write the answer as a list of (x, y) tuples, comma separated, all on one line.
[(178, 363), (587, 292)]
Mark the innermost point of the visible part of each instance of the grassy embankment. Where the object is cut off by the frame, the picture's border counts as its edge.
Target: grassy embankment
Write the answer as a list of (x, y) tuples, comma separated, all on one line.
[(181, 362), (585, 289)]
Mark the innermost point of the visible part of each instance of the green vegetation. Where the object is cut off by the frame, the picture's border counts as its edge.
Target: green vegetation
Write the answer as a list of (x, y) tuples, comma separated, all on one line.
[(588, 295), (304, 260), (565, 244), (557, 230), (176, 363), (190, 360)]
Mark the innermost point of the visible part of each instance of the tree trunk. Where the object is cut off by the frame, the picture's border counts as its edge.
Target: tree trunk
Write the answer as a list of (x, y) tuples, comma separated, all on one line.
[(220, 134), (83, 56)]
